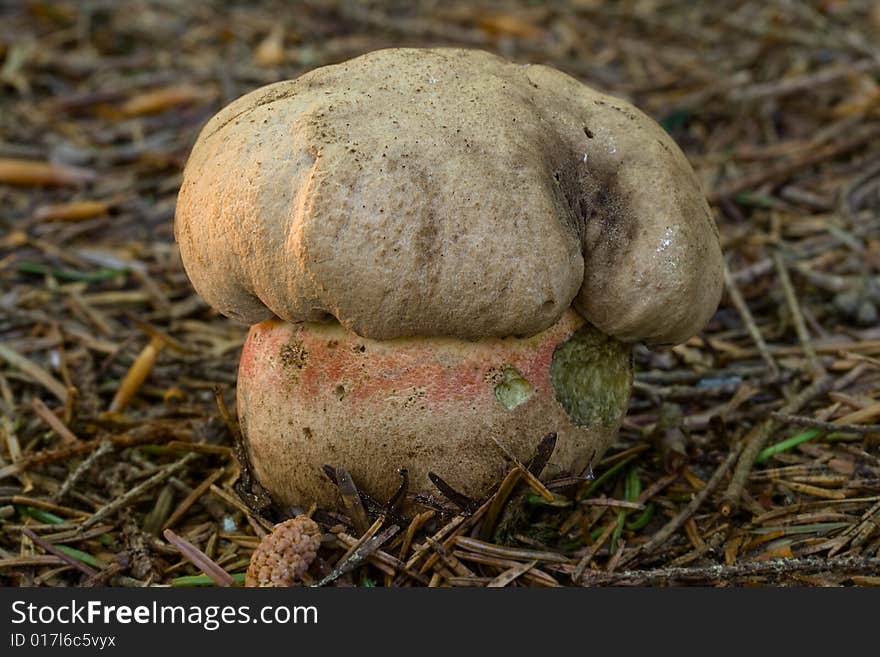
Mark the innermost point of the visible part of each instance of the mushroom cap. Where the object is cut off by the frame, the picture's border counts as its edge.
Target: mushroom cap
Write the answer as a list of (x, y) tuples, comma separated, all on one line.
[(447, 192)]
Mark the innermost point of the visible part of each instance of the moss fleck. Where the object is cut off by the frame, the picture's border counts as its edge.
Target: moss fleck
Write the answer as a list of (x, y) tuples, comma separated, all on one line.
[(592, 376), (512, 388)]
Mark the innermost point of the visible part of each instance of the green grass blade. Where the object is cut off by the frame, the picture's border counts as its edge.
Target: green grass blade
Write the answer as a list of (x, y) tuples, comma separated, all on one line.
[(787, 444), (79, 555), (203, 580)]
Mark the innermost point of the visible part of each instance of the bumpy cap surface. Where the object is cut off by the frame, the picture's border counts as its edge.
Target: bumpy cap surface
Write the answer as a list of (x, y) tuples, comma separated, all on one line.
[(413, 192), (285, 554)]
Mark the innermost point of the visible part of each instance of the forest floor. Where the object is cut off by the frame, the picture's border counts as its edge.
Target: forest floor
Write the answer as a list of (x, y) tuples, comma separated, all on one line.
[(750, 454)]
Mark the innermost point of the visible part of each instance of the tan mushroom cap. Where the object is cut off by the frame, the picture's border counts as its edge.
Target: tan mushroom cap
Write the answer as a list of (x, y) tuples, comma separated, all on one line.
[(413, 192)]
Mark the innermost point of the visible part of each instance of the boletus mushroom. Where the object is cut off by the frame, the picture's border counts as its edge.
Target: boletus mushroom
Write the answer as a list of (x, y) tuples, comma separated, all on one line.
[(439, 249)]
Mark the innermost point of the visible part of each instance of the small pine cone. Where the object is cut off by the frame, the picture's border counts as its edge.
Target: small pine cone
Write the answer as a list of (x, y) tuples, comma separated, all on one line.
[(283, 556)]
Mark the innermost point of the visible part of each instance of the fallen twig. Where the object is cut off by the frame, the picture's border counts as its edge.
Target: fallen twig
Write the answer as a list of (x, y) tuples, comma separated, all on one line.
[(138, 490), (199, 559), (724, 573), (673, 525), (757, 437)]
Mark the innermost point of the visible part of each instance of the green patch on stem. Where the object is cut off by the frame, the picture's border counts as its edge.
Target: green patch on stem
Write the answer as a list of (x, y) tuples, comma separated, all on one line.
[(513, 389), (592, 376)]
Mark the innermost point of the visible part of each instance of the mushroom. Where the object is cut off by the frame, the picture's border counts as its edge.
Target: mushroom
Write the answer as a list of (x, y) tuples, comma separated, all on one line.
[(439, 249)]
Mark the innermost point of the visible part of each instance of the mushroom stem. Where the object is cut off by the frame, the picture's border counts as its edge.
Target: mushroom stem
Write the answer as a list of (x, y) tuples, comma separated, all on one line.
[(313, 395)]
